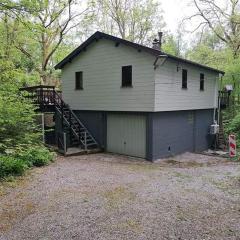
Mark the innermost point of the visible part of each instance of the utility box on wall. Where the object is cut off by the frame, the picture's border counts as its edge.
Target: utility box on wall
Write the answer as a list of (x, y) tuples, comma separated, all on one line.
[(214, 129)]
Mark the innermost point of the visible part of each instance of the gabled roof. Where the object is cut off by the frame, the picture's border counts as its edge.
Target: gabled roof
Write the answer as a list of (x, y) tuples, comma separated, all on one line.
[(99, 35)]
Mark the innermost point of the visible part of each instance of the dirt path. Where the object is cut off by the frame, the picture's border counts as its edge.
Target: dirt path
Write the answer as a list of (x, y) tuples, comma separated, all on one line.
[(105, 196)]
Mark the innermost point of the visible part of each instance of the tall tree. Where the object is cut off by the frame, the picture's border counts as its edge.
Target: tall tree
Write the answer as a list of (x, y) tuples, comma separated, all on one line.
[(170, 45), (174, 43), (134, 20), (222, 18), (47, 23)]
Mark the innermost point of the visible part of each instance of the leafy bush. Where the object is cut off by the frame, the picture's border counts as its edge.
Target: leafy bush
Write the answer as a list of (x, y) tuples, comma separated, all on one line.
[(18, 163), (11, 166), (234, 127), (37, 156), (18, 128), (20, 136)]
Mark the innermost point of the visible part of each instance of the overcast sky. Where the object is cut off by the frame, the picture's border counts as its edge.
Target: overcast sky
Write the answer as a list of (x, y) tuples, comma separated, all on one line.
[(175, 11)]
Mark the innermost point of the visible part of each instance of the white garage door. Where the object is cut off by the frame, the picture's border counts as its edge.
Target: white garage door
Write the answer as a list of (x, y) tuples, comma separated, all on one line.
[(126, 134)]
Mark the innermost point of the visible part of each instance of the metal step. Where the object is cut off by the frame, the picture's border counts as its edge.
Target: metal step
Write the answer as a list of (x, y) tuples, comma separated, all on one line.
[(92, 144)]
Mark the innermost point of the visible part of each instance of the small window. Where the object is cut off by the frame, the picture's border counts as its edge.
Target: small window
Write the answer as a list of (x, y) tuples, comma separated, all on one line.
[(79, 80), (127, 76), (184, 79), (201, 81)]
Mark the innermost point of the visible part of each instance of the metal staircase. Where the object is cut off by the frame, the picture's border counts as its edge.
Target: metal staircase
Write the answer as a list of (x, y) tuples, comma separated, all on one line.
[(79, 135), (46, 97)]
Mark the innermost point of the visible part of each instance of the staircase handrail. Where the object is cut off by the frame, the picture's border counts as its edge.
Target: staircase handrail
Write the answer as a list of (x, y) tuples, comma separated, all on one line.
[(72, 129), (63, 104)]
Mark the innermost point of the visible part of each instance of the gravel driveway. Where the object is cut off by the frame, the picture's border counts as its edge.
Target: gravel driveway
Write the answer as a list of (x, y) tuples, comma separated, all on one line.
[(106, 196)]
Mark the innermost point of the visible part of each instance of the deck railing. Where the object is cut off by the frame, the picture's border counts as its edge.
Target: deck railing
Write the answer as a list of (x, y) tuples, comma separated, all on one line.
[(42, 95), (47, 98)]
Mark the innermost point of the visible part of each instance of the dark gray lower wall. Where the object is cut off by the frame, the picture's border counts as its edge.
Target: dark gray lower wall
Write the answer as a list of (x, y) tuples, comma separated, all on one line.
[(179, 131), (168, 133), (95, 122), (204, 118)]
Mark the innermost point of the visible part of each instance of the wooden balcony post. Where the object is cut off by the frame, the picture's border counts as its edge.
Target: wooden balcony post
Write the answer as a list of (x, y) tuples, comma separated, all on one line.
[(41, 96)]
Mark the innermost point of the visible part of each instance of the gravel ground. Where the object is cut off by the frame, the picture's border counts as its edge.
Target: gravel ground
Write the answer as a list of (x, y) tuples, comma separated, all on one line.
[(106, 196)]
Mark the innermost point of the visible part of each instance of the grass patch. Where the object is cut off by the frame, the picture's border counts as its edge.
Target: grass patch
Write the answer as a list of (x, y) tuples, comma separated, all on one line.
[(230, 184), (182, 175), (11, 213), (130, 224), (172, 162), (11, 182), (2, 191), (118, 196), (186, 164), (144, 167), (123, 225), (235, 159)]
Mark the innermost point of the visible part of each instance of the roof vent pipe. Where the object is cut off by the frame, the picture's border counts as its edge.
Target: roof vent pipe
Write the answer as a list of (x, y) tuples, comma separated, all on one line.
[(160, 34)]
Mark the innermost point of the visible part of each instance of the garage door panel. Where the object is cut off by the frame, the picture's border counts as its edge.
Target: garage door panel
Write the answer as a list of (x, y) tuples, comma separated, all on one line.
[(126, 134)]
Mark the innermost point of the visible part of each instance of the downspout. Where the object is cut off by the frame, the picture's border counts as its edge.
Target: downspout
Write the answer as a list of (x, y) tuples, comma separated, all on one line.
[(219, 102), (219, 109)]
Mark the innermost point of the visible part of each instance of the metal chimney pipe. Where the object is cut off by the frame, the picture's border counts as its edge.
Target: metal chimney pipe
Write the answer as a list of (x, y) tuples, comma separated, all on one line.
[(157, 43), (160, 34)]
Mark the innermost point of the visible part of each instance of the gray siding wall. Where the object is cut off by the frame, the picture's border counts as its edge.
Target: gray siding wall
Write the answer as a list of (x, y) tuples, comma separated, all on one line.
[(152, 91), (169, 95), (167, 133), (178, 132), (101, 65)]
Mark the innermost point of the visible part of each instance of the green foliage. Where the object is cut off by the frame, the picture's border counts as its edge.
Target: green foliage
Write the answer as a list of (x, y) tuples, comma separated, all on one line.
[(206, 55), (20, 142), (134, 20), (234, 127), (36, 156), (18, 129), (16, 164), (11, 166), (171, 46)]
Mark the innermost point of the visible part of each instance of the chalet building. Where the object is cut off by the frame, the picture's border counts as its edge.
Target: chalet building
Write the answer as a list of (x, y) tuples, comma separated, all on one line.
[(136, 100)]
